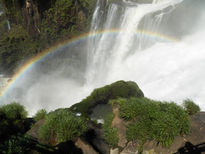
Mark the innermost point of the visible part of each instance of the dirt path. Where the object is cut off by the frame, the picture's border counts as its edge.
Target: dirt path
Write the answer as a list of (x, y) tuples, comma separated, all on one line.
[(121, 128)]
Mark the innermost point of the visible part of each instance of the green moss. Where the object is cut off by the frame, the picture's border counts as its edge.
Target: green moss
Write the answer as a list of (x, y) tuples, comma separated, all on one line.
[(103, 95), (62, 125)]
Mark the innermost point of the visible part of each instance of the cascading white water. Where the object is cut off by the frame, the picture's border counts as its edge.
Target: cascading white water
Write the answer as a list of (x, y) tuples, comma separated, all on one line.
[(164, 71), (131, 40), (108, 52), (8, 25)]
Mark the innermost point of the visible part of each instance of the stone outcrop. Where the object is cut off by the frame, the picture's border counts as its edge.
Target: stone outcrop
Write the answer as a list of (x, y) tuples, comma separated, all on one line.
[(86, 148)]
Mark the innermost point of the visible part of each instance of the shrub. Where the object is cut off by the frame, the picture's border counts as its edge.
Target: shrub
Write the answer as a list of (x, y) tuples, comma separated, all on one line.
[(110, 133), (62, 125), (12, 120), (153, 120), (23, 144), (190, 107), (40, 115), (14, 111)]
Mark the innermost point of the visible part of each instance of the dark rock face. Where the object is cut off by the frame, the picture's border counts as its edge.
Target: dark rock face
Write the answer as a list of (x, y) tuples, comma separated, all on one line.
[(94, 136), (31, 17), (68, 148)]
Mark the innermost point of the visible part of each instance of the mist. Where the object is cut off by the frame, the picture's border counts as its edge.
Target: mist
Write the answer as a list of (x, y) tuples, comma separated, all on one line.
[(164, 70)]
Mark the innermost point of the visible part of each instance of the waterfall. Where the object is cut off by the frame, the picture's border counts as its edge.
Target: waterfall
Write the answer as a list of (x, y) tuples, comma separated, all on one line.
[(159, 44), (110, 50), (97, 20), (8, 25)]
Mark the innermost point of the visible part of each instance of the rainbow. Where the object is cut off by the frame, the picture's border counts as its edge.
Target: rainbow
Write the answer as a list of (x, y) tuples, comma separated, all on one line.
[(31, 62)]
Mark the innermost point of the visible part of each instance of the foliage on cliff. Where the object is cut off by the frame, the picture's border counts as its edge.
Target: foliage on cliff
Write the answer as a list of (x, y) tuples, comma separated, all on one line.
[(35, 29)]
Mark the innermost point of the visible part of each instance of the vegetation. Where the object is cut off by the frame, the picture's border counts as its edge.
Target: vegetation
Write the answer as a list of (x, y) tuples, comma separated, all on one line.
[(40, 115), (190, 107), (62, 125), (50, 22), (22, 144), (15, 46), (153, 120), (12, 120), (103, 95), (110, 133), (146, 120)]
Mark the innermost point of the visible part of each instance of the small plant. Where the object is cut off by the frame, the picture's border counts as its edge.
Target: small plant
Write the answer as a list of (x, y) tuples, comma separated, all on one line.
[(190, 107), (40, 115), (62, 125), (110, 133)]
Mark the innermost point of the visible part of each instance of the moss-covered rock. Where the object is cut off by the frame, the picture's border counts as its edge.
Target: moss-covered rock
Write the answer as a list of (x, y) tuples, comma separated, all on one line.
[(103, 95)]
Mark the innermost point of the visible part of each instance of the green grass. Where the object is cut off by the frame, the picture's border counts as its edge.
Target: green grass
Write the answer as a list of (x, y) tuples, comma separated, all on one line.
[(40, 115), (62, 125), (153, 120), (110, 133), (190, 107)]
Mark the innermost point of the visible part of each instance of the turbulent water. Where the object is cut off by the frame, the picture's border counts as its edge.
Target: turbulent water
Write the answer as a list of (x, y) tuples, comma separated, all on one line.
[(158, 44)]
